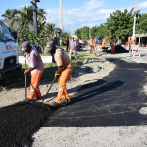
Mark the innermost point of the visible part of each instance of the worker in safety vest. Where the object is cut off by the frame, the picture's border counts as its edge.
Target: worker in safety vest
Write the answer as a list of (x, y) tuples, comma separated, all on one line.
[(91, 43), (95, 43), (112, 45), (130, 42), (104, 43), (65, 68), (36, 67)]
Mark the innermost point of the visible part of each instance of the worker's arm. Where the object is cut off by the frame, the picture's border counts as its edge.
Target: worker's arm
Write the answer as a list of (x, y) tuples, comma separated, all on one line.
[(60, 69), (32, 64), (28, 70)]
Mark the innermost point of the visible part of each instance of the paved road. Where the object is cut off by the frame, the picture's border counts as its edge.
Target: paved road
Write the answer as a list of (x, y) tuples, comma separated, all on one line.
[(112, 101)]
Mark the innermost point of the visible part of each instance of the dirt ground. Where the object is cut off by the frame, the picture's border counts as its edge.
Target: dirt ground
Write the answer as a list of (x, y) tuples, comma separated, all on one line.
[(89, 72)]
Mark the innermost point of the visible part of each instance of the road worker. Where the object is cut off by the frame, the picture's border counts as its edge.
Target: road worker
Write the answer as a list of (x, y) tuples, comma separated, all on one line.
[(104, 44), (130, 42), (65, 68), (36, 67), (112, 45), (91, 43), (95, 44)]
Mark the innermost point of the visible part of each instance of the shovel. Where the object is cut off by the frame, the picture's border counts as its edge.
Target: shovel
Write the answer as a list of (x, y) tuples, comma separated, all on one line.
[(49, 88), (25, 81)]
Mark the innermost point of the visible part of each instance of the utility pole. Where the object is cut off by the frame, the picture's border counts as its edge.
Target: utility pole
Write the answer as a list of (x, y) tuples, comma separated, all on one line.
[(134, 20), (90, 27), (60, 18), (35, 14), (72, 25), (49, 20)]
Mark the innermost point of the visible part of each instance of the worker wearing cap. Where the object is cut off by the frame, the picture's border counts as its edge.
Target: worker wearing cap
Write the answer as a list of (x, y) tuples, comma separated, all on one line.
[(36, 67), (64, 71)]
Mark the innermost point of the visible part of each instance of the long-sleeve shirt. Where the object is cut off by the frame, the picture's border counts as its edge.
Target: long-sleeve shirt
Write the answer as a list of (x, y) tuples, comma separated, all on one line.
[(34, 60)]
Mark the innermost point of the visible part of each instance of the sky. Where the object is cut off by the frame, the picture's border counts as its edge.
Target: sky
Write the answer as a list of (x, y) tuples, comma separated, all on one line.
[(77, 13)]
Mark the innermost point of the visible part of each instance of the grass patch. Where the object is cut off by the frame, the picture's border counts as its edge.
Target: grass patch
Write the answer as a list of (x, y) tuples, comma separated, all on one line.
[(63, 46), (18, 80)]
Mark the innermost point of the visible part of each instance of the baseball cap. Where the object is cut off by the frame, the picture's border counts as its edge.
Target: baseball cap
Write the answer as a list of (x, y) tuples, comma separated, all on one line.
[(25, 46), (50, 45)]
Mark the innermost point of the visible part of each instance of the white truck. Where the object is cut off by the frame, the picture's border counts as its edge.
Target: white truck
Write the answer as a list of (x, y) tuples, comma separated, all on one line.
[(9, 53)]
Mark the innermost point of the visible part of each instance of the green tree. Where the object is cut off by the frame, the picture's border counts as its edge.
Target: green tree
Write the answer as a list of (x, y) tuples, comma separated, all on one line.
[(141, 23), (99, 31), (10, 13), (120, 24)]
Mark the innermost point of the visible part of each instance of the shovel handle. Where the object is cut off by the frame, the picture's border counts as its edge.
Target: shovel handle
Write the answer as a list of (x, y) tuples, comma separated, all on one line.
[(25, 82), (49, 88)]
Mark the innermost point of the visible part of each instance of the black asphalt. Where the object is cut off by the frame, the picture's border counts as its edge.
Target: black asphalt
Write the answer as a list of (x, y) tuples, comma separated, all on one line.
[(112, 101)]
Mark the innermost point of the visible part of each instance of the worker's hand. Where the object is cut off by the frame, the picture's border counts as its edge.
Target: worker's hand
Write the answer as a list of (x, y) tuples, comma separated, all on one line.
[(24, 54), (57, 74), (26, 71)]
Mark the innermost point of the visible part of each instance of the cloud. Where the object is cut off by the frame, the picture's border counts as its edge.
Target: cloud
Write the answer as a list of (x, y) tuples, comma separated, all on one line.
[(21, 6), (142, 6), (92, 5), (81, 16)]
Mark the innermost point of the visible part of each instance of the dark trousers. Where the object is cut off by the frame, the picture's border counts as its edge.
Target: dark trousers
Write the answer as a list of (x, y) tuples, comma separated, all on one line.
[(67, 47), (91, 48)]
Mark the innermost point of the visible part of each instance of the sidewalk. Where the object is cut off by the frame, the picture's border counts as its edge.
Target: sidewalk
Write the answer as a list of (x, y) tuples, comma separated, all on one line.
[(127, 56), (45, 59)]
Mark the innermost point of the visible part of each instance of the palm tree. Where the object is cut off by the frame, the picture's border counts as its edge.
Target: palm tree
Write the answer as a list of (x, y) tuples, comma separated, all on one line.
[(41, 14), (50, 28), (10, 13)]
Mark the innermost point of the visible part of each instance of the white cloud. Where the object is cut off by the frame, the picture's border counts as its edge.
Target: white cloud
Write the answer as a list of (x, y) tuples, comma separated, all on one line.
[(80, 16), (93, 8), (92, 5), (142, 6), (21, 6)]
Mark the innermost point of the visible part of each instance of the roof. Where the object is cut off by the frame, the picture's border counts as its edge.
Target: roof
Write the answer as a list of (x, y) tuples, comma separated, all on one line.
[(141, 35), (15, 25)]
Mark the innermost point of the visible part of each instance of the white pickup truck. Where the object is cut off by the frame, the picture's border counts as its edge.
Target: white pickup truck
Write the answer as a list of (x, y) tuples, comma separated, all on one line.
[(9, 53)]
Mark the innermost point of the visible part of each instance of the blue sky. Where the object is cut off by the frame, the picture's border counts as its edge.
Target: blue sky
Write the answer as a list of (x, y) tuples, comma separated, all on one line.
[(78, 10)]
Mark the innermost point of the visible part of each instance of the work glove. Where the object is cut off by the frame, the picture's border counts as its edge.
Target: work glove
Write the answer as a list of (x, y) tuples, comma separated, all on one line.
[(57, 74)]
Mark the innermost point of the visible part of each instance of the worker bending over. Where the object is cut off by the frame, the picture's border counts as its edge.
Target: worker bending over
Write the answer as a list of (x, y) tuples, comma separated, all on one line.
[(36, 67), (104, 44), (64, 71)]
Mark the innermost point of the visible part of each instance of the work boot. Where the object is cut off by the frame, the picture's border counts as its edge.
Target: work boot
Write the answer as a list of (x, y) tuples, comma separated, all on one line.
[(65, 101), (29, 100), (54, 104), (37, 98)]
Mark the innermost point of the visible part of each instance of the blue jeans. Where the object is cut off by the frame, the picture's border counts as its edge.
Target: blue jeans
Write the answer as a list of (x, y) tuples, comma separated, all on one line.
[(77, 48)]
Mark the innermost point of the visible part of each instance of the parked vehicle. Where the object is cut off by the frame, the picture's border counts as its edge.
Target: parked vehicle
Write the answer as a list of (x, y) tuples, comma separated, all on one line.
[(9, 52)]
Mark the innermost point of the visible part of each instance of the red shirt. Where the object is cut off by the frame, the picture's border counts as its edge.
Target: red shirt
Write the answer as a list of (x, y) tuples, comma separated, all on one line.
[(67, 41)]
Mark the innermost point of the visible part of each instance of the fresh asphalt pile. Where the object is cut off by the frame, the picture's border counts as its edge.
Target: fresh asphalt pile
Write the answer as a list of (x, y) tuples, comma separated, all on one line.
[(19, 122), (119, 49), (112, 101)]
